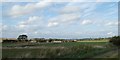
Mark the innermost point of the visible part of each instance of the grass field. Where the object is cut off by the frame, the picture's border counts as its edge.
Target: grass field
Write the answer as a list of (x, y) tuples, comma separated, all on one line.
[(55, 50), (103, 40), (54, 44)]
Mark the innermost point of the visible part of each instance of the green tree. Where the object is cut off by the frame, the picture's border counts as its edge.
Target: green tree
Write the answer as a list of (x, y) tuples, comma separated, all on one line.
[(22, 37), (115, 40)]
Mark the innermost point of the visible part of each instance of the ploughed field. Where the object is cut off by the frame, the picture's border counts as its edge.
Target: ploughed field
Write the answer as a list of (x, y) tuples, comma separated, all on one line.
[(81, 49)]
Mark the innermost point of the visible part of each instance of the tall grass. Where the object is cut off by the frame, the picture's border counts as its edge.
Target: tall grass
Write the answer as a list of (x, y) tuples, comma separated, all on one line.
[(79, 51)]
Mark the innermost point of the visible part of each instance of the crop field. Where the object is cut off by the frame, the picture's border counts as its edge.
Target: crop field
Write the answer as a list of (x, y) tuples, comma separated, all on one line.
[(58, 50)]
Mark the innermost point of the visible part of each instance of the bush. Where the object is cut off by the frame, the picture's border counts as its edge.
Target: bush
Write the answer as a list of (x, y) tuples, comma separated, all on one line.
[(115, 40)]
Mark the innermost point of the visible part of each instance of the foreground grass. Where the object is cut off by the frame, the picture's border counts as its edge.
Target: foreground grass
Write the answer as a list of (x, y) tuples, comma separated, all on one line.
[(52, 50), (109, 54), (82, 51)]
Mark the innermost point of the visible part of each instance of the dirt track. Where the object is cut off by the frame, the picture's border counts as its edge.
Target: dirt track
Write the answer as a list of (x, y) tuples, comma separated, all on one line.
[(110, 54)]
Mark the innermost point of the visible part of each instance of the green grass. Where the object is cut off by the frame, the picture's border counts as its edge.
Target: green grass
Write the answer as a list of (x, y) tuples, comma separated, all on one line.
[(54, 44)]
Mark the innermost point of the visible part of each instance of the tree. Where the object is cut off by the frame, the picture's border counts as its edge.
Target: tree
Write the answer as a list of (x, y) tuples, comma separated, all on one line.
[(22, 37), (50, 40), (115, 40)]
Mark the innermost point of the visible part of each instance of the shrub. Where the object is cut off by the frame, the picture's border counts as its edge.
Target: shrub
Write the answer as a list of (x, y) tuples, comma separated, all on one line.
[(115, 40)]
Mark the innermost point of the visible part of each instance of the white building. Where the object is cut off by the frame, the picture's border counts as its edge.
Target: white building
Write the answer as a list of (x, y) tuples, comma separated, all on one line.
[(57, 41)]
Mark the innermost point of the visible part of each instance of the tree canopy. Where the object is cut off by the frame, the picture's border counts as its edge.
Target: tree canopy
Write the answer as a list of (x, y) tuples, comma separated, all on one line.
[(22, 37)]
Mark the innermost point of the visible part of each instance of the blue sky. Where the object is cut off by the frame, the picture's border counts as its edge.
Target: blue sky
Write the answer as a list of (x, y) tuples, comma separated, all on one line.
[(59, 19)]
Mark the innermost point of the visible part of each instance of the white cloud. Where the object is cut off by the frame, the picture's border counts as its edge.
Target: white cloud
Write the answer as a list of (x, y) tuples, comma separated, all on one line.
[(33, 23), (111, 34), (19, 10), (86, 22), (21, 26), (23, 33), (32, 20), (83, 10), (70, 9), (78, 7), (51, 24), (111, 24), (63, 19), (36, 32)]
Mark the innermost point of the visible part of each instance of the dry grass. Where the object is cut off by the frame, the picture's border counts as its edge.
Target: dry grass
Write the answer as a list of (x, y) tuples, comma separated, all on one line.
[(104, 40)]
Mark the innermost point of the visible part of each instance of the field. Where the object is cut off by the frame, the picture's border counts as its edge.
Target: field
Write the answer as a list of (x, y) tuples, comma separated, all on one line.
[(81, 49)]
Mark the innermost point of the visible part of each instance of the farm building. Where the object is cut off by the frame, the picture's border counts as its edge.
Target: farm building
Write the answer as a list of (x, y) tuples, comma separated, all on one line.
[(33, 41), (57, 41), (39, 40)]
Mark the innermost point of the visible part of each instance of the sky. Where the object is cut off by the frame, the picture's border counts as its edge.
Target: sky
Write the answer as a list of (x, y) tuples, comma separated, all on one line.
[(73, 20)]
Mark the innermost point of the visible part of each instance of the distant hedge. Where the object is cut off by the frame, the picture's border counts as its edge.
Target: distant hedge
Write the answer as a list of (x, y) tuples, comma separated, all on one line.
[(115, 40)]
